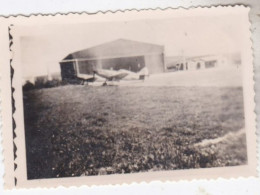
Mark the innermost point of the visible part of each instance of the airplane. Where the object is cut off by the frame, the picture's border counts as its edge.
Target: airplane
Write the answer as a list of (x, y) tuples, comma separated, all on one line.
[(113, 75), (122, 74)]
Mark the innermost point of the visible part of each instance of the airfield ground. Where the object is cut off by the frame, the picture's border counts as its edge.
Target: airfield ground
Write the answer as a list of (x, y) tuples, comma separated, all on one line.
[(86, 130)]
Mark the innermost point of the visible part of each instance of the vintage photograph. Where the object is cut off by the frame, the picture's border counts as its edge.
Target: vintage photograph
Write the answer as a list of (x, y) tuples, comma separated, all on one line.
[(133, 96), (115, 98)]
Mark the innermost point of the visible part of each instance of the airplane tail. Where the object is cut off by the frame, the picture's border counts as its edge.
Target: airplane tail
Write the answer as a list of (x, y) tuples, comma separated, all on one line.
[(143, 73), (94, 69)]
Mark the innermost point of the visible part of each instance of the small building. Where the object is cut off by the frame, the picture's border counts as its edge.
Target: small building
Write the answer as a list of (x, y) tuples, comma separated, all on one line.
[(115, 55), (196, 63), (205, 62)]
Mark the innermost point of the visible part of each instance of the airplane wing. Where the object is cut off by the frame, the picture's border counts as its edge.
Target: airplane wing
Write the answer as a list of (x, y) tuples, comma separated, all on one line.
[(84, 76)]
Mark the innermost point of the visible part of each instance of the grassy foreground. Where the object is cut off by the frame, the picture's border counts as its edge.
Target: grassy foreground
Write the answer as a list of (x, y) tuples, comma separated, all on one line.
[(84, 130)]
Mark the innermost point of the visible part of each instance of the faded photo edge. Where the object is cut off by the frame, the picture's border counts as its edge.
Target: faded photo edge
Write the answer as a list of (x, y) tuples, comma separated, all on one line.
[(207, 173)]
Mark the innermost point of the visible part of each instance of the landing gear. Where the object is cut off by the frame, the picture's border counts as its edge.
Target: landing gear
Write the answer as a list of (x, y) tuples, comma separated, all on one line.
[(83, 82), (105, 83)]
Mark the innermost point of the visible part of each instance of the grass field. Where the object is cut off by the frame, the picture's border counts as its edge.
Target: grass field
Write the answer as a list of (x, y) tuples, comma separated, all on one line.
[(86, 130)]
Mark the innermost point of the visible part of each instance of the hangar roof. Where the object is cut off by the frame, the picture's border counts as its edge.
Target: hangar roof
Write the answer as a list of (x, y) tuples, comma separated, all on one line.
[(117, 48)]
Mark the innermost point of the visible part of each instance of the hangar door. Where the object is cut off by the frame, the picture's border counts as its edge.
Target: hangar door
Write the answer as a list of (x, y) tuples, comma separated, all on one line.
[(86, 67), (133, 64)]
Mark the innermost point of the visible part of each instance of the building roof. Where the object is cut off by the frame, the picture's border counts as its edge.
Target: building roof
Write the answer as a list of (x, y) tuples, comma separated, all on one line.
[(117, 48), (204, 57)]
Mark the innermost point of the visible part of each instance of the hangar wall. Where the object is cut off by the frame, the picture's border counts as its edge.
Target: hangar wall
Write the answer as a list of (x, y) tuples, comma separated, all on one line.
[(115, 55), (154, 63)]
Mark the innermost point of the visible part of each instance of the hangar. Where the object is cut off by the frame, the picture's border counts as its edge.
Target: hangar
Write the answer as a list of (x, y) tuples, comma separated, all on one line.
[(115, 55)]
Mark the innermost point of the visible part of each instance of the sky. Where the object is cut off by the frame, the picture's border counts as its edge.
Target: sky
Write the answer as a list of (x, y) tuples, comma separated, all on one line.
[(43, 47)]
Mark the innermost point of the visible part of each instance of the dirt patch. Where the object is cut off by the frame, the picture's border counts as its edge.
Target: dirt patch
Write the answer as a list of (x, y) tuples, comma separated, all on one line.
[(229, 136)]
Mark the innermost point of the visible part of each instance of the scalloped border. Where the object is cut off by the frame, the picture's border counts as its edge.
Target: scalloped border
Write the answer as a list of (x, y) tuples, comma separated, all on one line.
[(13, 102), (104, 13), (125, 10)]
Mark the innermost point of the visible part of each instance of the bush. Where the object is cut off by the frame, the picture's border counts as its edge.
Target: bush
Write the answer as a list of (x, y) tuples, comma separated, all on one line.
[(28, 86), (41, 83)]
